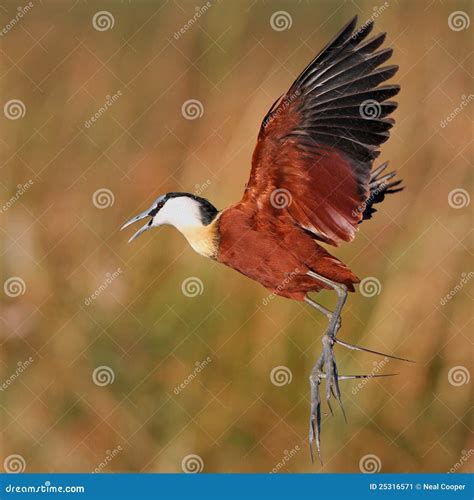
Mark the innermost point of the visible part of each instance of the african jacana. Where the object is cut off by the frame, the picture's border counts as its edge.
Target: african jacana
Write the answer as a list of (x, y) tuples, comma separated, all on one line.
[(311, 182)]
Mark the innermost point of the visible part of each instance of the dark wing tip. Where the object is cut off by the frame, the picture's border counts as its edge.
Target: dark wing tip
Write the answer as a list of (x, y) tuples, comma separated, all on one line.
[(352, 24), (363, 31)]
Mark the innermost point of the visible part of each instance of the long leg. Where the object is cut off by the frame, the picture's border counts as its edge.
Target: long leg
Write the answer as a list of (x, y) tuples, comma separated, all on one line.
[(341, 291), (326, 366), (321, 309), (328, 340)]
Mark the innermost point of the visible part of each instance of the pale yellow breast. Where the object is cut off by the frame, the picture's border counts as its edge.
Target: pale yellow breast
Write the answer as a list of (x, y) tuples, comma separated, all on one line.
[(204, 239)]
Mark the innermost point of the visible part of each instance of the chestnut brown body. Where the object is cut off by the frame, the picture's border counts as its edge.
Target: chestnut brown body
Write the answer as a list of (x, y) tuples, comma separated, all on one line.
[(279, 260)]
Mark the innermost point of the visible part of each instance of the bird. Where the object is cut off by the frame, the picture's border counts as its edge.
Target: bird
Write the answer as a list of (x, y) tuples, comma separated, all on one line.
[(312, 183)]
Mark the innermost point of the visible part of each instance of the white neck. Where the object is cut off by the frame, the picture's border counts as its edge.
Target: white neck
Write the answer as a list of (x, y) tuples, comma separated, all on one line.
[(185, 215)]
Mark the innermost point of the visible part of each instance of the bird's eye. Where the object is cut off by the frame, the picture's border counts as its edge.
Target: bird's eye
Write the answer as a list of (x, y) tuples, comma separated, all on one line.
[(155, 210)]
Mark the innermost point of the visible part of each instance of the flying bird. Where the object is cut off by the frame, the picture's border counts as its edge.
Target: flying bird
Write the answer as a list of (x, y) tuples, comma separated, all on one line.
[(311, 184)]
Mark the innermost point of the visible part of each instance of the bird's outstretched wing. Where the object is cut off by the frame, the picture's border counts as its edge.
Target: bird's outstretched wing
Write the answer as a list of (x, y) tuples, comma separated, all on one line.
[(313, 159)]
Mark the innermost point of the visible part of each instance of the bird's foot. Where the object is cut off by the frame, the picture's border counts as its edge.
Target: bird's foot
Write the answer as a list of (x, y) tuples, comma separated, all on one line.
[(325, 368), (330, 372)]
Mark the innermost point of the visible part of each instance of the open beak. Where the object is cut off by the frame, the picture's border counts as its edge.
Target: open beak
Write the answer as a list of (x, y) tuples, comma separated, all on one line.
[(141, 216)]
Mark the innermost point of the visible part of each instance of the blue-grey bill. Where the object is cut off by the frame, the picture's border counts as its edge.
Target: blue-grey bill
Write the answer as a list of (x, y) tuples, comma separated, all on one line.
[(138, 217), (140, 231)]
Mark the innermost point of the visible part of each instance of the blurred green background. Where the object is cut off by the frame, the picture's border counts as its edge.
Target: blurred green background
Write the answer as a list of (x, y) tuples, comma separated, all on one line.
[(77, 298)]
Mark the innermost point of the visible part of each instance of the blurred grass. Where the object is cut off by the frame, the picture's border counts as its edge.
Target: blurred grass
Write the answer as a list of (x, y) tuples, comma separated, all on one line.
[(141, 325)]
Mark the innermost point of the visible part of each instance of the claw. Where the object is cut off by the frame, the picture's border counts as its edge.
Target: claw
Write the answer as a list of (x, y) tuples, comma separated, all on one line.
[(342, 409), (310, 441), (316, 433), (315, 430), (358, 348), (329, 405), (338, 394), (332, 376)]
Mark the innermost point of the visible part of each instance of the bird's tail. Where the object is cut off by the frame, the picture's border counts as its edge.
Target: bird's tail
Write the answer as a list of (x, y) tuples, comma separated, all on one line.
[(379, 186)]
